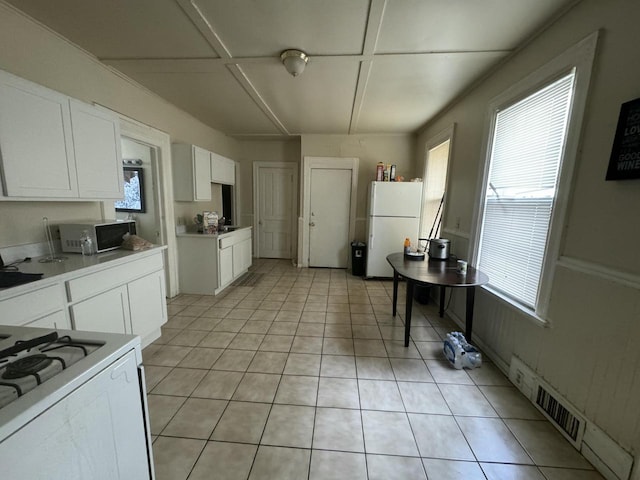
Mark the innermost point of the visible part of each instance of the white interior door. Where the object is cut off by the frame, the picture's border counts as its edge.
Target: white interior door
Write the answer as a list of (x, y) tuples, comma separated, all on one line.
[(275, 194), (329, 217)]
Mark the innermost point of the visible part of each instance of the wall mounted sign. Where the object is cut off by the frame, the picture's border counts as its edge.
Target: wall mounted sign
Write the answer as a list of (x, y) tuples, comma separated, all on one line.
[(624, 163)]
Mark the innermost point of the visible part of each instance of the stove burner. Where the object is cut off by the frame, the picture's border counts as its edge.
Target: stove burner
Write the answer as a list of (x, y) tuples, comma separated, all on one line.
[(28, 365)]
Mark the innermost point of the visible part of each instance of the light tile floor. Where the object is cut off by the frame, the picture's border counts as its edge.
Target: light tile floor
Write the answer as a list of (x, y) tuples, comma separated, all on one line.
[(304, 376)]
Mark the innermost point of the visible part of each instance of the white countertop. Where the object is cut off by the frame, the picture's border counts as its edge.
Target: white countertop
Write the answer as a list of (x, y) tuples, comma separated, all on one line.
[(73, 262)]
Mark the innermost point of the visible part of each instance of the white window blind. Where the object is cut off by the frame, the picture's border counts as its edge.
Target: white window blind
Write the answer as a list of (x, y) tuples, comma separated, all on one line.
[(526, 154)]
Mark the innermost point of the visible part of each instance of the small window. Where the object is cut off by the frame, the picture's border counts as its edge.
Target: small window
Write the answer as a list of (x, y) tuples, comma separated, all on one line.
[(133, 191), (435, 182)]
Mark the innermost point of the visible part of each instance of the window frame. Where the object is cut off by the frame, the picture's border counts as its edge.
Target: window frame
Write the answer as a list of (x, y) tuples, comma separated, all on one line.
[(435, 141), (579, 57)]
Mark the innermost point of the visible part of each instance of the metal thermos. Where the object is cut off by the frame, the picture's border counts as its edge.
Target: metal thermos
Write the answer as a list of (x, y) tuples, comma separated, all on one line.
[(439, 248)]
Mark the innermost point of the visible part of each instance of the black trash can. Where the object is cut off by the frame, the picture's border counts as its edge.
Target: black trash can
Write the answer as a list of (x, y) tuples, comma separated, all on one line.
[(358, 258), (421, 294)]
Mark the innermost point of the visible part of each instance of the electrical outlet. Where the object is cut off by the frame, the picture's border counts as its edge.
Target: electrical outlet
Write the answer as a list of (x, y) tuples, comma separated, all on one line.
[(519, 378)]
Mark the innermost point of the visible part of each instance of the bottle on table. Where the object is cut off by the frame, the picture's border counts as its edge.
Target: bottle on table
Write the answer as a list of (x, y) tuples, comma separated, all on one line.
[(407, 246)]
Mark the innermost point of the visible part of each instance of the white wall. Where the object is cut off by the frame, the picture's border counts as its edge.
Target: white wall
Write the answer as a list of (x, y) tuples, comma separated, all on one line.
[(370, 149), (35, 53), (276, 150), (589, 354)]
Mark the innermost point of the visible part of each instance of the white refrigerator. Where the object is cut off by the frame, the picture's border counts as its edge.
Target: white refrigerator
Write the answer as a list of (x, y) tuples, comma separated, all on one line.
[(394, 214)]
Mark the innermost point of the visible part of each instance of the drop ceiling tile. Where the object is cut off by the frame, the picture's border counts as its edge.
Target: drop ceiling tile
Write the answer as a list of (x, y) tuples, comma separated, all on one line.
[(403, 92), (215, 98), (443, 25), (319, 100), (267, 27), (122, 28)]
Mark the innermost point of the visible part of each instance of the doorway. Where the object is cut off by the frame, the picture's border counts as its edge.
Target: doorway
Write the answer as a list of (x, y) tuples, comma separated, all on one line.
[(438, 152), (329, 207), (148, 223), (158, 144), (275, 193)]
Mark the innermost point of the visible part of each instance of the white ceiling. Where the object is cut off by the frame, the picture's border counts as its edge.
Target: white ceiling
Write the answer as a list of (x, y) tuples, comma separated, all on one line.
[(376, 66)]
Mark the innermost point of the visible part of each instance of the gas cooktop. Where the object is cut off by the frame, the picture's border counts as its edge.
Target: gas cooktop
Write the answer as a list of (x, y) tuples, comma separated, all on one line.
[(28, 363)]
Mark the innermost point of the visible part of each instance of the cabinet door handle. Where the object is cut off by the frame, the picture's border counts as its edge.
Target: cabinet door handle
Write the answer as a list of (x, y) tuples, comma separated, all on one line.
[(312, 224)]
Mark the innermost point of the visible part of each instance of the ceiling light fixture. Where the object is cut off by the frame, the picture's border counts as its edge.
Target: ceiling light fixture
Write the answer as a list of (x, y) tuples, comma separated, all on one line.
[(294, 61)]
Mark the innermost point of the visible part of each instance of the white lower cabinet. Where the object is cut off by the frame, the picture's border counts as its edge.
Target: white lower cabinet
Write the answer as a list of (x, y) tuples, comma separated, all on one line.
[(40, 307), (234, 256), (147, 303), (57, 320), (210, 263), (127, 297), (241, 257), (107, 312), (225, 266)]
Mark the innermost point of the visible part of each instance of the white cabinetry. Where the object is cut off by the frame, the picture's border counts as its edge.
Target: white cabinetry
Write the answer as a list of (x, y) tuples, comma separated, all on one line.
[(241, 257), (56, 320), (128, 298), (147, 303), (191, 173), (210, 263), (35, 141), (225, 269), (55, 147), (223, 170), (123, 295), (234, 256), (41, 307), (96, 143), (107, 312), (198, 263)]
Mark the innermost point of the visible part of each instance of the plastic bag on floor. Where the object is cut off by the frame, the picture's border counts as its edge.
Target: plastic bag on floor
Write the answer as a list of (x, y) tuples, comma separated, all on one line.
[(460, 353)]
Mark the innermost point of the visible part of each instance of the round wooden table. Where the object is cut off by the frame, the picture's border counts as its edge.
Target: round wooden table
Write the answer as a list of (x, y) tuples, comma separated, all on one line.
[(440, 273)]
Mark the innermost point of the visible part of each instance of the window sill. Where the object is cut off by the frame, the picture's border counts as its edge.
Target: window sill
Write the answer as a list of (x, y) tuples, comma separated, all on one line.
[(524, 312)]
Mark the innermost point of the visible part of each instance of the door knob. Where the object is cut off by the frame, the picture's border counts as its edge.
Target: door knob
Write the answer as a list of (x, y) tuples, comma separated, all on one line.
[(312, 224)]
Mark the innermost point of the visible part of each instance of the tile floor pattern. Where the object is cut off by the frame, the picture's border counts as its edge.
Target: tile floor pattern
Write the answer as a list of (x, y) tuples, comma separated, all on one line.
[(305, 376)]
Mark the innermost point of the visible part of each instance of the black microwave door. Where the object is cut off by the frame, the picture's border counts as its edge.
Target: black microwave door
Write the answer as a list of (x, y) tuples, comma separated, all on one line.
[(110, 236)]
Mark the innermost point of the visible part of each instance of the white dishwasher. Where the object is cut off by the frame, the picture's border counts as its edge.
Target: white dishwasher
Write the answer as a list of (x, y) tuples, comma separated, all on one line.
[(72, 406)]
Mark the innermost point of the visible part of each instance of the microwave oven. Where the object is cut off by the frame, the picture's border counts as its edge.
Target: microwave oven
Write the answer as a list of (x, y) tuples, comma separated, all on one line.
[(106, 234)]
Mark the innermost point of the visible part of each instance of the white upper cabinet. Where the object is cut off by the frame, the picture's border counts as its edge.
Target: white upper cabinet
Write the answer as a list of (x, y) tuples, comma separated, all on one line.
[(36, 142), (55, 147), (191, 173), (223, 170), (96, 142)]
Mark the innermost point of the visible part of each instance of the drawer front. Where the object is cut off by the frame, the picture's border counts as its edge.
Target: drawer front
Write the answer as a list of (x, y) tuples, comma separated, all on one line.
[(235, 237), (57, 320), (30, 306), (94, 283)]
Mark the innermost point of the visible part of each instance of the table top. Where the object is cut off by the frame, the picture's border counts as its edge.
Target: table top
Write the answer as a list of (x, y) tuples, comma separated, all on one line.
[(435, 272)]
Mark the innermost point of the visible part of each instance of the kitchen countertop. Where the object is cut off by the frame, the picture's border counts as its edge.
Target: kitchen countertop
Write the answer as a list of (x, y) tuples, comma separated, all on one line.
[(210, 235), (61, 271)]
